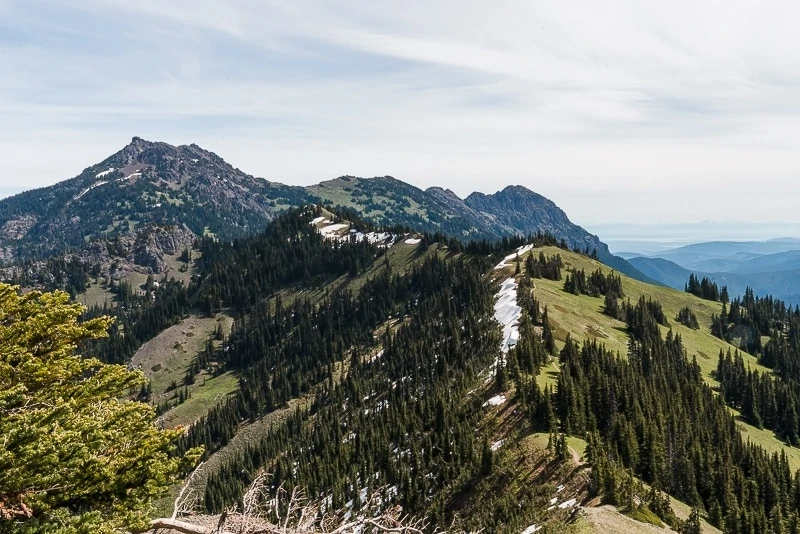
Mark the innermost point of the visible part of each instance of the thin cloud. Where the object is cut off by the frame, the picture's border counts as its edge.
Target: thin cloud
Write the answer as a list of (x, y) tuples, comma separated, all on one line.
[(587, 104)]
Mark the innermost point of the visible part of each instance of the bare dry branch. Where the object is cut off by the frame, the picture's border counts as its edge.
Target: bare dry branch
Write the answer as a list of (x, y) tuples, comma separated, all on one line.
[(186, 501), (180, 526), (291, 512)]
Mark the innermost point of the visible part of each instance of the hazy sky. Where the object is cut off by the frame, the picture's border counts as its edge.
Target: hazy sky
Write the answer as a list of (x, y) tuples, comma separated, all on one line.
[(623, 111)]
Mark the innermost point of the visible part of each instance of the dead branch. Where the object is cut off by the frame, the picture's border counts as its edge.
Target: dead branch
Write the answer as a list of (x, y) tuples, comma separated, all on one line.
[(186, 501), (288, 512), (181, 526)]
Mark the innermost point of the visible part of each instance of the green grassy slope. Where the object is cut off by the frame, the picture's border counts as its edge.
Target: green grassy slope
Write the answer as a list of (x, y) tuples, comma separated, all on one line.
[(581, 317)]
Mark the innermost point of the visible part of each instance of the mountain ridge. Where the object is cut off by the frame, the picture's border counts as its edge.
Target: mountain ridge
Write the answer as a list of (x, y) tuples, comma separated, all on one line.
[(148, 183)]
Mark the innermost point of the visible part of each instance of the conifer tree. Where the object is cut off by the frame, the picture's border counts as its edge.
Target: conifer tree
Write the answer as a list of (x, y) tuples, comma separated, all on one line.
[(75, 456)]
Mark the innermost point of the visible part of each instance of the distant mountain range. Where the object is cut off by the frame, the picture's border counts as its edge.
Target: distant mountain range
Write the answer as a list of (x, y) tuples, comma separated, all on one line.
[(153, 183), (627, 239), (768, 267)]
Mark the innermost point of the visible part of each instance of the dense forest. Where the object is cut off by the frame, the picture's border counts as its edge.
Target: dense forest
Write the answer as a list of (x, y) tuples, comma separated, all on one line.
[(651, 414), (406, 426), (769, 329)]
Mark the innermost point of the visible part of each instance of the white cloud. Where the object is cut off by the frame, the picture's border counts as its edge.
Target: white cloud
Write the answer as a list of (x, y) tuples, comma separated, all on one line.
[(615, 110)]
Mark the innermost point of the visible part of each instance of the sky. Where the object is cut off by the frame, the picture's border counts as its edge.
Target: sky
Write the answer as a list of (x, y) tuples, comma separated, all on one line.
[(631, 111)]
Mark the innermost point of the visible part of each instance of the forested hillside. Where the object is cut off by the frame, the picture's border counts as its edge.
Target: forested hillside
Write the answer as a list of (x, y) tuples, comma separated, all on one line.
[(376, 367), (416, 375)]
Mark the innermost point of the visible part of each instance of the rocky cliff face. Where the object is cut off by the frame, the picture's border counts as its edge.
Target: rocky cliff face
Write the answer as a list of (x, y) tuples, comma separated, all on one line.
[(148, 247), (149, 250), (521, 210)]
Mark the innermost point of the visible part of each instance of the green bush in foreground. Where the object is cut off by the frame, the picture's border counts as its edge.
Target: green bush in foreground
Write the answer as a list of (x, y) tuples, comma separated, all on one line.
[(74, 455)]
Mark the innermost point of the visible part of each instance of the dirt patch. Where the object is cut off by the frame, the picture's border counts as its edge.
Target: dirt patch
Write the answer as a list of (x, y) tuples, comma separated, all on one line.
[(607, 519), (593, 331)]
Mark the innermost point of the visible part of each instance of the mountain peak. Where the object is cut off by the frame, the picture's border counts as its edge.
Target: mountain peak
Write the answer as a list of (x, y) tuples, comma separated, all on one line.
[(445, 194), (140, 145)]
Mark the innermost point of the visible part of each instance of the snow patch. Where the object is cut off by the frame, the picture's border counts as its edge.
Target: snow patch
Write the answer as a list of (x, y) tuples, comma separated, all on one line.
[(372, 237), (332, 228), (520, 251), (330, 231), (568, 504), (105, 173), (413, 241), (497, 444), (79, 195), (507, 313), (362, 495), (497, 400), (531, 529), (132, 175)]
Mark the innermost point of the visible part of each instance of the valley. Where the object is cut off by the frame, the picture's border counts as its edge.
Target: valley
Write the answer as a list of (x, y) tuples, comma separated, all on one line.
[(768, 267)]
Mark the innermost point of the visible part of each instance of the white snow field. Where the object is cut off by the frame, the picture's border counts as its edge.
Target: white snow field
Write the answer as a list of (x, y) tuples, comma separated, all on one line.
[(520, 251), (332, 228), (497, 400), (507, 313)]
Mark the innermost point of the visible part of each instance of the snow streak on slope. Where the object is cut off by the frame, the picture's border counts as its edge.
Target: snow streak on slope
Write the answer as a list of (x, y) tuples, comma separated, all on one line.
[(507, 313), (97, 184), (520, 251)]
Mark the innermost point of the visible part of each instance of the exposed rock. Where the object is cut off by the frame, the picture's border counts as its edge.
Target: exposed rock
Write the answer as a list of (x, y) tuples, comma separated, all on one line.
[(15, 229)]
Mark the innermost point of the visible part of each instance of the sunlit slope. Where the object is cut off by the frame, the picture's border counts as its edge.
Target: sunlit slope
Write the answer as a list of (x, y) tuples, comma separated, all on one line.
[(581, 317)]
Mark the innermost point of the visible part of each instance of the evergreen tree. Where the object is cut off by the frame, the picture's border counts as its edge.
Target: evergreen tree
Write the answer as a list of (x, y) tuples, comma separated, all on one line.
[(74, 458)]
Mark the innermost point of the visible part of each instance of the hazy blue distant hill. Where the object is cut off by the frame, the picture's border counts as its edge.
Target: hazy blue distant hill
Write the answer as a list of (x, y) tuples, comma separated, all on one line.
[(769, 267), (667, 272), (717, 256), (653, 239), (784, 284), (781, 261)]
